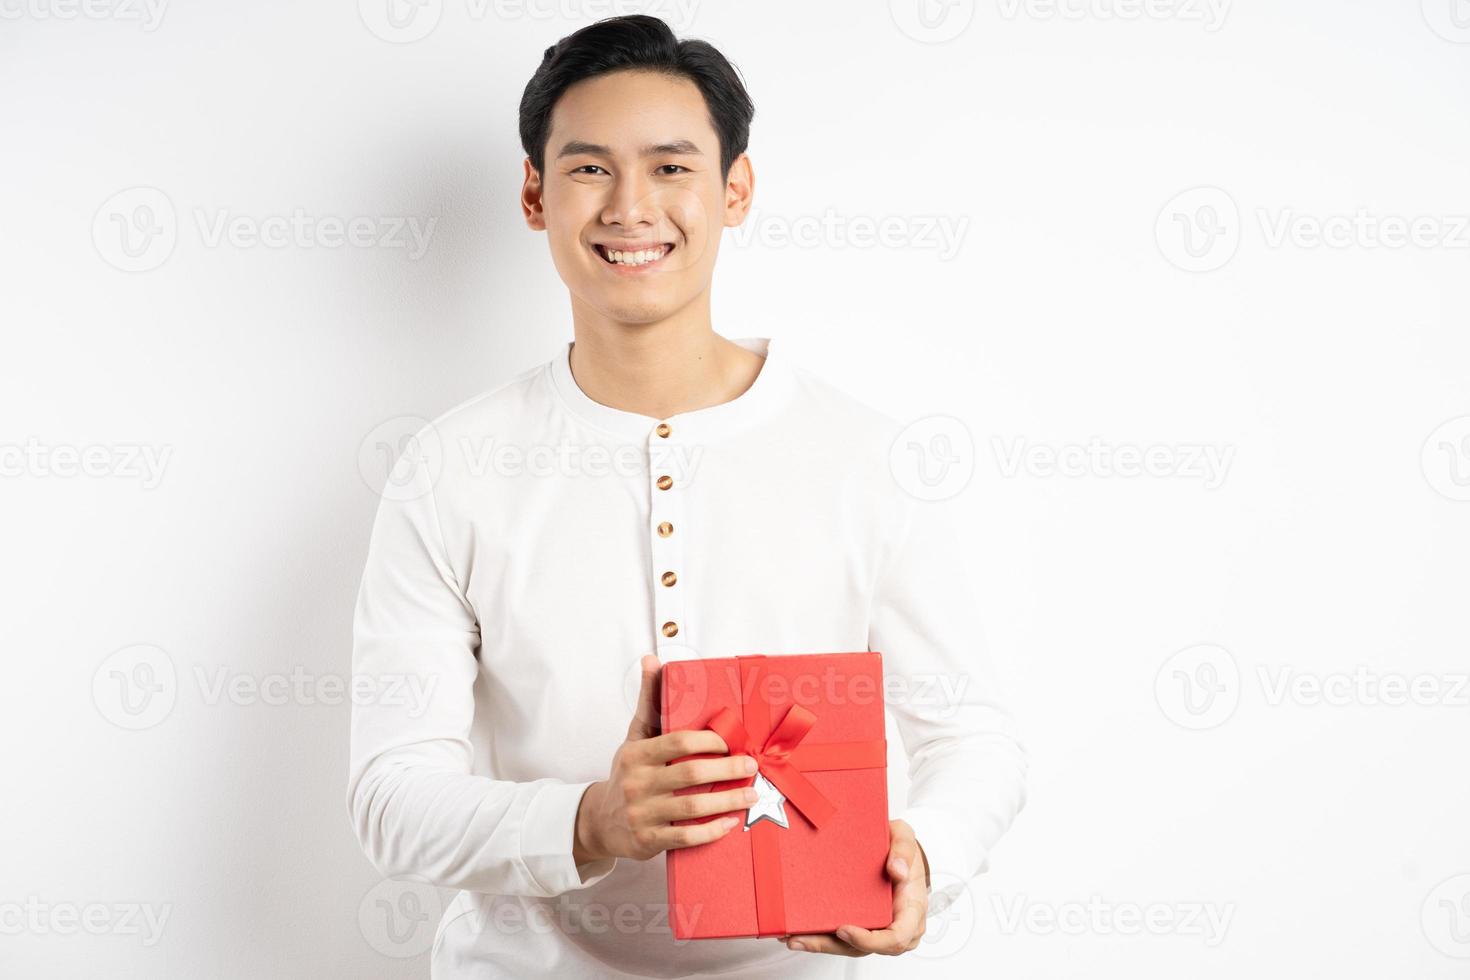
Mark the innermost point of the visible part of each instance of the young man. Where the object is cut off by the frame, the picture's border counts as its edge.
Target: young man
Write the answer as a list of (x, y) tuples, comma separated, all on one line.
[(696, 497)]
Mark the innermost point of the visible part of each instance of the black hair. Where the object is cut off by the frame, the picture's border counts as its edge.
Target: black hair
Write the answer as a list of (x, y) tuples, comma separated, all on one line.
[(641, 43)]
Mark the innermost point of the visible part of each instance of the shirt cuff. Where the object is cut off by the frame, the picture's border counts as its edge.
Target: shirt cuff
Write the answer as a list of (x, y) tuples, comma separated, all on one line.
[(547, 833), (944, 849)]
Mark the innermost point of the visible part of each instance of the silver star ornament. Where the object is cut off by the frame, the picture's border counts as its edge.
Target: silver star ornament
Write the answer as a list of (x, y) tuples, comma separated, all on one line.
[(770, 806)]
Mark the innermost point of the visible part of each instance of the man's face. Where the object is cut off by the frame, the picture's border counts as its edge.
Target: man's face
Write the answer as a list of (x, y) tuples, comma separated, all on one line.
[(631, 197)]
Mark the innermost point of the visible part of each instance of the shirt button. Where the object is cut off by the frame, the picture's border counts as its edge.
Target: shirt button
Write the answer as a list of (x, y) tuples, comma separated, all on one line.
[(663, 430), (664, 482), (665, 529), (671, 629), (669, 578)]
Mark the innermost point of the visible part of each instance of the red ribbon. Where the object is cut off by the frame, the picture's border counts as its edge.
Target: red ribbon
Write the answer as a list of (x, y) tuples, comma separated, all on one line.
[(784, 760)]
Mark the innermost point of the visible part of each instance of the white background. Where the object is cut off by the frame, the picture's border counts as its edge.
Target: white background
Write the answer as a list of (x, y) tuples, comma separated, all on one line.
[(1077, 301)]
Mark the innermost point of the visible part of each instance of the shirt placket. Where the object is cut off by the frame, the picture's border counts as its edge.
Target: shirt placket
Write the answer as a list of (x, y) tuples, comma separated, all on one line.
[(669, 533)]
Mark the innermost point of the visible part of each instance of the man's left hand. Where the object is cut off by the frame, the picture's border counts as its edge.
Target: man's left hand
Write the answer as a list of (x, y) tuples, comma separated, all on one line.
[(909, 869)]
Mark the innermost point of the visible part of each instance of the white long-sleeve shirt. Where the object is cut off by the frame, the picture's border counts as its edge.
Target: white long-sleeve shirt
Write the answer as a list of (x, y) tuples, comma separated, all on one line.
[(527, 552)]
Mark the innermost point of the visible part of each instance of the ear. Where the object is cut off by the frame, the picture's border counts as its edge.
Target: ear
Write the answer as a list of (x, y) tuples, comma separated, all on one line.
[(739, 191), (531, 199)]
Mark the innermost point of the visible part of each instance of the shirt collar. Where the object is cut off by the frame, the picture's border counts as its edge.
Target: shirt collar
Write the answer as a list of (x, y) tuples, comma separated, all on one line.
[(764, 399)]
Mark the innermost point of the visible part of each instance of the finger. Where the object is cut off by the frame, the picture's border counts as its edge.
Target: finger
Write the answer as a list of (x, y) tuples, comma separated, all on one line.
[(900, 937), (910, 904), (822, 943), (911, 896), (692, 806), (698, 772), (674, 745), (645, 723), (906, 868), (670, 837), (905, 865)]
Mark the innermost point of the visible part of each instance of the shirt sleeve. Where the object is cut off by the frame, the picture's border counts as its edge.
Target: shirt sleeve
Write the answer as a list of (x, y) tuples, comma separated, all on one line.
[(416, 807), (967, 764)]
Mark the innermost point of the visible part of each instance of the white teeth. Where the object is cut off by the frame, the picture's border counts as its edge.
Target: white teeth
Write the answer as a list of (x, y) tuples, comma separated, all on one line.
[(637, 258)]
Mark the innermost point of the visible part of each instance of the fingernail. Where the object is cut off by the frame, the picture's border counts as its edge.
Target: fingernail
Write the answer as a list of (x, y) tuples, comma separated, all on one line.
[(751, 795), (750, 765), (901, 866), (796, 946), (842, 934), (729, 822)]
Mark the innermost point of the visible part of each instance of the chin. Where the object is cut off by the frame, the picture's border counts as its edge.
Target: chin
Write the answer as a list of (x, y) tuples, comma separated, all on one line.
[(637, 306), (638, 312)]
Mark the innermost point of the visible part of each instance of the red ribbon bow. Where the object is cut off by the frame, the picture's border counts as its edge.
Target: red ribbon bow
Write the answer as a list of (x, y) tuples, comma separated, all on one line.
[(774, 758)]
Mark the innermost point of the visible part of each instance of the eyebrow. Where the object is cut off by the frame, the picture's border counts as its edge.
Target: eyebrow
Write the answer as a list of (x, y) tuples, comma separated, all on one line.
[(676, 148)]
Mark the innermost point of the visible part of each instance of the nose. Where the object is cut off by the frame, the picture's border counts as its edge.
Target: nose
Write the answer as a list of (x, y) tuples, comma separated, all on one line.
[(630, 203)]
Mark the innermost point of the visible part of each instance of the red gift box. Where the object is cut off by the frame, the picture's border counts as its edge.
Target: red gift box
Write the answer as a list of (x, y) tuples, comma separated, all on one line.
[(814, 723)]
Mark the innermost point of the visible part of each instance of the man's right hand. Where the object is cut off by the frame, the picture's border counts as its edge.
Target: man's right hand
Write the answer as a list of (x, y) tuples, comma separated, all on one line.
[(629, 814)]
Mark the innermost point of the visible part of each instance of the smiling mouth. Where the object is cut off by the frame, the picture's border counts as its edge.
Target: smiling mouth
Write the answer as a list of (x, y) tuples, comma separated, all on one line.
[(635, 258)]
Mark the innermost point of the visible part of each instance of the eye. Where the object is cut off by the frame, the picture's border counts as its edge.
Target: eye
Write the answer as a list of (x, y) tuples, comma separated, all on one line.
[(675, 166), (588, 166)]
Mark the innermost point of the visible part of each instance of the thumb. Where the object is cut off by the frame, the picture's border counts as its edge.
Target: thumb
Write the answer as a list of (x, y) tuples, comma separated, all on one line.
[(645, 723)]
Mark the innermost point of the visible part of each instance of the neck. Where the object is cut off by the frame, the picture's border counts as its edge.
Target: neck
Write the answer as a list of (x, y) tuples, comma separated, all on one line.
[(659, 369)]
